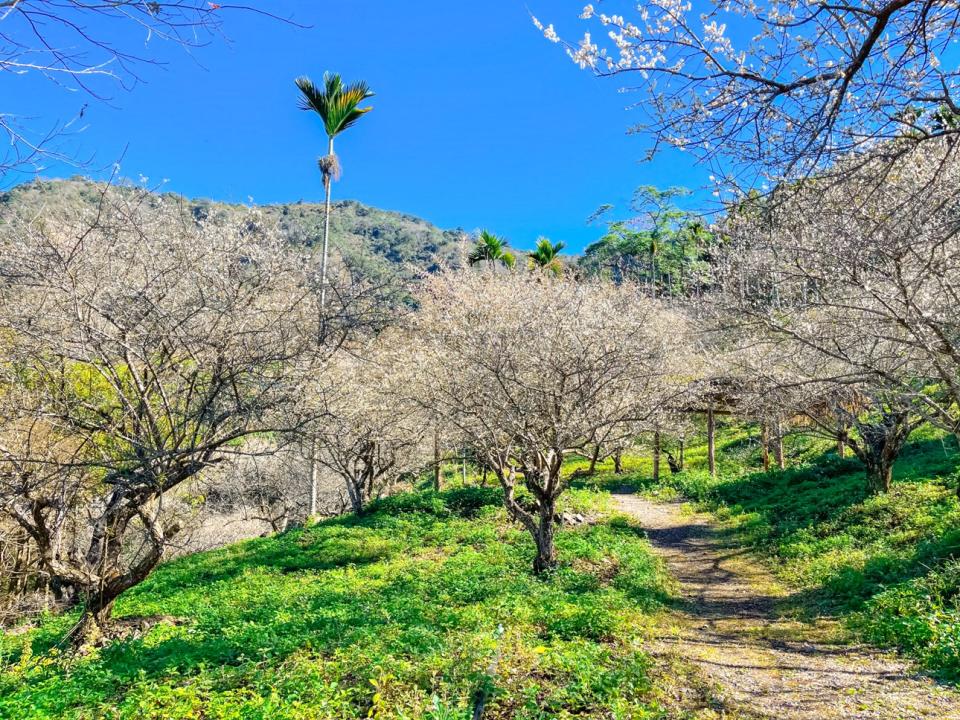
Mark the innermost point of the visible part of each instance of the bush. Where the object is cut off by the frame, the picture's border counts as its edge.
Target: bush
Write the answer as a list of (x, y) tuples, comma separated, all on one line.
[(922, 616)]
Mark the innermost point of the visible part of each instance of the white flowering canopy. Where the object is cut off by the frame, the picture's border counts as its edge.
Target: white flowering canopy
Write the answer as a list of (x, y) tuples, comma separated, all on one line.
[(862, 273), (530, 368), (787, 86)]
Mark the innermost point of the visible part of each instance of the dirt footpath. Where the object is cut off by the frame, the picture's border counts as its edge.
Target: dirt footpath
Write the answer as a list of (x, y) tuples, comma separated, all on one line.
[(758, 664)]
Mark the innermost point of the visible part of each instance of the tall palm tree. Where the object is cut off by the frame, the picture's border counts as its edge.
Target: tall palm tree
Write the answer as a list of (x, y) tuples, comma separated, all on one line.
[(491, 249), (338, 105), (547, 256)]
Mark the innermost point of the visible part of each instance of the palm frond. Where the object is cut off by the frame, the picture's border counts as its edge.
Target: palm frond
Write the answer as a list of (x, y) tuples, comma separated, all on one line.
[(546, 256), (491, 248), (337, 105)]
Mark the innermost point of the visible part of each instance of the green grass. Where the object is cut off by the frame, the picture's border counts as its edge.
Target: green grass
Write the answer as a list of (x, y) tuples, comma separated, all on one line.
[(393, 614), (886, 564)]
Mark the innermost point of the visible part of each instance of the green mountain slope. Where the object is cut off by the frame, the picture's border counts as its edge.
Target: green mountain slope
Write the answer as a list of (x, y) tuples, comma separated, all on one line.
[(367, 238)]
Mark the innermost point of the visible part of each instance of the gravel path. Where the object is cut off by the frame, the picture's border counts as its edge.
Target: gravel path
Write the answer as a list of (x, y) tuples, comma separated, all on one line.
[(759, 664)]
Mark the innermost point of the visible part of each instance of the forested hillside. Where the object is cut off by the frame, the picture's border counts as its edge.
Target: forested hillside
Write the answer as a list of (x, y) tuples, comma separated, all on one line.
[(372, 240)]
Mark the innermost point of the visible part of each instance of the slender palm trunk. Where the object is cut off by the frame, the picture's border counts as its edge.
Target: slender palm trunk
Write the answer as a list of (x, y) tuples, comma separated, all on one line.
[(328, 183)]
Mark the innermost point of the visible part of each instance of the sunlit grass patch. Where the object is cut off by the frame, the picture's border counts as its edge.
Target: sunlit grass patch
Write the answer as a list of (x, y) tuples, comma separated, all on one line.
[(398, 613)]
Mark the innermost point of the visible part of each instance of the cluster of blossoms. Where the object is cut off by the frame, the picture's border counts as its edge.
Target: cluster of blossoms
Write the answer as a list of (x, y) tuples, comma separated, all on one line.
[(798, 85)]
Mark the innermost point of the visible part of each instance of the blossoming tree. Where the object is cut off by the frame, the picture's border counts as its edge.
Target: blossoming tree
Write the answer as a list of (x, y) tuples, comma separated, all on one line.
[(531, 368), (784, 86)]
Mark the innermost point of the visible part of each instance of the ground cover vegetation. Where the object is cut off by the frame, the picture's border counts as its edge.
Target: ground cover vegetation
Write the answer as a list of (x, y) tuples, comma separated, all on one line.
[(791, 365), (413, 609), (885, 564)]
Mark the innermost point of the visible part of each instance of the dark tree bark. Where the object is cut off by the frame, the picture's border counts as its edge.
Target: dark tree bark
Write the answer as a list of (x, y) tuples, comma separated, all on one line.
[(545, 484), (100, 595), (673, 462), (656, 457), (879, 445), (594, 459), (546, 559), (436, 460), (778, 447)]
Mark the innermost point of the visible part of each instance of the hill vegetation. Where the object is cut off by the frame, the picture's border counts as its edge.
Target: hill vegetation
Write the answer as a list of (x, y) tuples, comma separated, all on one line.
[(376, 242)]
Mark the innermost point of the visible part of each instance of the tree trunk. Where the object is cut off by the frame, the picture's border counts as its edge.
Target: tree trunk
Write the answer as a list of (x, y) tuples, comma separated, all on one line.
[(882, 477), (765, 446), (546, 552), (355, 492), (328, 184), (778, 447), (711, 443), (99, 598), (594, 459), (314, 474), (673, 463), (92, 627), (879, 446), (618, 462), (656, 456), (957, 436), (682, 461), (879, 471), (436, 460), (841, 444)]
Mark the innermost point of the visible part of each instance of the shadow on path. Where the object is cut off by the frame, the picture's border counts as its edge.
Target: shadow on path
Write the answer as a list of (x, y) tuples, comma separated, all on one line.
[(728, 626)]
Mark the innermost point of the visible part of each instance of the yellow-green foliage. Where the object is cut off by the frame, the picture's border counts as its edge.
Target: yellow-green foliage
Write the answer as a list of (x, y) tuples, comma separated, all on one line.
[(394, 614)]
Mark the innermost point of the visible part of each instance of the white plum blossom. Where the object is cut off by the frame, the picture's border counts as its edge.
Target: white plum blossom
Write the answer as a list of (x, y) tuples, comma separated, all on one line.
[(799, 84)]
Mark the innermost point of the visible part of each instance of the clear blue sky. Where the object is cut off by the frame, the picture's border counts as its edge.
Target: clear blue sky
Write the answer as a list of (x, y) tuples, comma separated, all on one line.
[(478, 120)]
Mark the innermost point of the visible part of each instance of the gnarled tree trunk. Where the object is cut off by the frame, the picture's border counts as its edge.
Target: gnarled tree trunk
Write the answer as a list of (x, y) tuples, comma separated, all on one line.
[(656, 456), (879, 446), (711, 443), (540, 522), (765, 446), (594, 459), (618, 462), (546, 559)]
